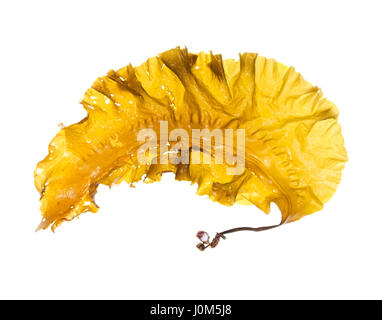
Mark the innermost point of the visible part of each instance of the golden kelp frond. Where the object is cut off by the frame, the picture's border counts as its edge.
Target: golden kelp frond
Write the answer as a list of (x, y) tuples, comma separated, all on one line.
[(294, 150)]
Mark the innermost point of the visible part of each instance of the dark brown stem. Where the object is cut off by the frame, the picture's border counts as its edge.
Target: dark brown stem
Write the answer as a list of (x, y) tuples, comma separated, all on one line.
[(216, 239), (249, 229)]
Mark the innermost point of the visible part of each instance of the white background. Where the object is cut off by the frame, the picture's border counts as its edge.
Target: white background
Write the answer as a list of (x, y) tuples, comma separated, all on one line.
[(141, 244)]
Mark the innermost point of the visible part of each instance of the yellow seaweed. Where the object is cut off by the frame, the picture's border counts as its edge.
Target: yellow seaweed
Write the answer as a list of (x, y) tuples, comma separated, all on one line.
[(294, 150)]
